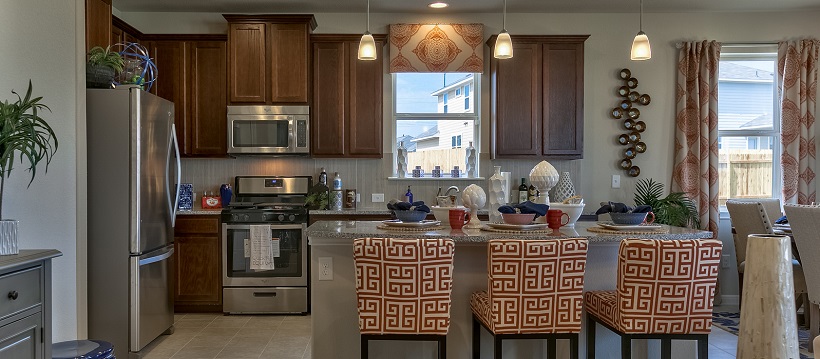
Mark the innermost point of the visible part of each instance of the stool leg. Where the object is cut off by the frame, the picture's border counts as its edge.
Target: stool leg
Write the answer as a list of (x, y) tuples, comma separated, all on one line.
[(573, 347), (590, 337), (551, 350), (497, 343), (666, 348), (703, 347), (364, 346), (626, 347), (442, 347), (476, 338)]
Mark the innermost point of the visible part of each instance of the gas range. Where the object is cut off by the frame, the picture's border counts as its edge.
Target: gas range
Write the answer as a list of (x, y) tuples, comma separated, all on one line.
[(264, 214), (268, 199)]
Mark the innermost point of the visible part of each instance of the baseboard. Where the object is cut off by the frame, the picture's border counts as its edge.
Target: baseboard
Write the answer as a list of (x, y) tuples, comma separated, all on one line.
[(730, 299)]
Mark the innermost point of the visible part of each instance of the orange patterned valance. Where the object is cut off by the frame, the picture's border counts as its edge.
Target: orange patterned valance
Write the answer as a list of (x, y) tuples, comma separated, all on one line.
[(436, 48)]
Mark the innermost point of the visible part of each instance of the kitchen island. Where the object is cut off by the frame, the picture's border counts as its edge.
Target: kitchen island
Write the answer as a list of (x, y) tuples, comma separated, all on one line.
[(333, 300)]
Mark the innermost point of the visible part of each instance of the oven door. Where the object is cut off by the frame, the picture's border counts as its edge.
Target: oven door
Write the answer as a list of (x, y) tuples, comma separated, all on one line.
[(290, 267), (254, 134)]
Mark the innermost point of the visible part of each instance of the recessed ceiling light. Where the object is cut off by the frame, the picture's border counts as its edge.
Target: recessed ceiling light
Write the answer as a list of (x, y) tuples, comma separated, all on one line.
[(438, 5)]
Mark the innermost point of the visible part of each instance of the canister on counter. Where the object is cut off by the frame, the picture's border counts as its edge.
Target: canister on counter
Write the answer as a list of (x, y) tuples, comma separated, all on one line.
[(336, 200), (350, 198)]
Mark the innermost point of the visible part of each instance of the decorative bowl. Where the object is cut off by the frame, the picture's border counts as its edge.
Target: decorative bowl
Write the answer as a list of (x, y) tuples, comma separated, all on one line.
[(627, 218), (410, 216), (443, 213), (518, 218), (573, 210)]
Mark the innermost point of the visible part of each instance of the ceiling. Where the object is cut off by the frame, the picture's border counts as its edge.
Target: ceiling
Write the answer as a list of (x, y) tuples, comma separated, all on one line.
[(462, 6)]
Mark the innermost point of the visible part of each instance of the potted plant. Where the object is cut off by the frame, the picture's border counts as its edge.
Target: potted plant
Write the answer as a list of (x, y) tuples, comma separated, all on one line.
[(26, 135), (102, 66), (676, 209)]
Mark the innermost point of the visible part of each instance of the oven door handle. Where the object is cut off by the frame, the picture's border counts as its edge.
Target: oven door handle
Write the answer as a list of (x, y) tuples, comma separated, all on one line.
[(272, 226)]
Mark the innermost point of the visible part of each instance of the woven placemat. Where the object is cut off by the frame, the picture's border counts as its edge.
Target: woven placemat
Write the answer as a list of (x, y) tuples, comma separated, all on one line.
[(409, 229), (530, 231), (661, 230)]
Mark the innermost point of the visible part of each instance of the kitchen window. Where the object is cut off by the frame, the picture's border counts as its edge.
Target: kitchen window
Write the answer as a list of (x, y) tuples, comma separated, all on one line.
[(434, 131), (748, 123)]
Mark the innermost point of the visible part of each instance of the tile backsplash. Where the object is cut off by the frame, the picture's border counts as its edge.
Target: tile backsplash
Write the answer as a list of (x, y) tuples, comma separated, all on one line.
[(367, 176)]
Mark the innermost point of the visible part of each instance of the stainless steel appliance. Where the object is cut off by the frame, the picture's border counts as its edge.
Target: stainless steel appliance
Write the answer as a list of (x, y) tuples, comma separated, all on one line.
[(277, 203), (133, 169), (255, 130)]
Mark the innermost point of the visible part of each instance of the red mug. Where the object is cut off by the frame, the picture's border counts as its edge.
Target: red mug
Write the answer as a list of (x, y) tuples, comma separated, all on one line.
[(458, 218), (554, 218)]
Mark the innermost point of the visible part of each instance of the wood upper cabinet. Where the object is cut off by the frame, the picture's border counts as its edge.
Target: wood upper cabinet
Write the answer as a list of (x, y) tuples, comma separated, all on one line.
[(347, 99), (538, 98), (97, 23), (169, 57), (198, 264), (268, 58)]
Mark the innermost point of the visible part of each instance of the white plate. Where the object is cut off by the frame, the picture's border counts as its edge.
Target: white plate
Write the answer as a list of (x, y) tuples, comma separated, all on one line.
[(518, 227), (612, 225), (424, 223)]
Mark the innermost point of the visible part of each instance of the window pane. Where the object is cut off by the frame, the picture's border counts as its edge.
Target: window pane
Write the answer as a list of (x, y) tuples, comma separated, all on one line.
[(745, 167), (429, 92), (435, 143), (746, 95)]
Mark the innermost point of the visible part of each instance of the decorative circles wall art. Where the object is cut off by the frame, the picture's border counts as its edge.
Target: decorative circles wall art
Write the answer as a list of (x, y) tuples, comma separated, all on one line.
[(626, 111)]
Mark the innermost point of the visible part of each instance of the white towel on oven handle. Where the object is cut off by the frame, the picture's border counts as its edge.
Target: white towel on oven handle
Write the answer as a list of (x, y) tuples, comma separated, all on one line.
[(261, 251)]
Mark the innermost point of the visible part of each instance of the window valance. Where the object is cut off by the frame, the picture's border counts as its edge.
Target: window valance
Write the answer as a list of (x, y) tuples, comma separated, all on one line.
[(436, 48)]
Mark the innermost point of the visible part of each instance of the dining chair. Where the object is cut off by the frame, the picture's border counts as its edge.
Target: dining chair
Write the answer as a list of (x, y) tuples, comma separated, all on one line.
[(772, 206), (534, 291), (805, 225), (665, 291), (403, 289)]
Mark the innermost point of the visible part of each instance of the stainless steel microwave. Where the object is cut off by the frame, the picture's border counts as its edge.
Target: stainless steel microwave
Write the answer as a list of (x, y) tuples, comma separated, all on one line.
[(259, 130)]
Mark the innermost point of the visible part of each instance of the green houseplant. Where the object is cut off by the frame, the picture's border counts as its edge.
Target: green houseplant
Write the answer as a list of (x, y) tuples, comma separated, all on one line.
[(676, 209), (103, 64), (23, 134)]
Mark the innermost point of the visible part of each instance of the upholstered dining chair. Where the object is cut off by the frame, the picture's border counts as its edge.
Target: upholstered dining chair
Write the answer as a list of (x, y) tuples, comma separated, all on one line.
[(403, 289), (535, 291), (805, 225), (665, 291)]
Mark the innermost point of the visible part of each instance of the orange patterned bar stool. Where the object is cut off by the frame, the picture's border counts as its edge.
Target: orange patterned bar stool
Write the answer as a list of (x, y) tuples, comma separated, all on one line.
[(665, 291), (535, 291), (403, 289)]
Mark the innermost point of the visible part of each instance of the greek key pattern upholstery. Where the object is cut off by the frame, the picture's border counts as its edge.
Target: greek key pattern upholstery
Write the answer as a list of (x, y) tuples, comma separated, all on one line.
[(534, 286), (403, 286), (664, 287)]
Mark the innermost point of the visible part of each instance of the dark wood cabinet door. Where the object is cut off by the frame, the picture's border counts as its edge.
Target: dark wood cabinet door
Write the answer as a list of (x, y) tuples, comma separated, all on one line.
[(207, 100), (288, 58), (516, 89), (364, 117), (97, 23), (328, 110), (116, 35), (248, 68), (169, 56), (563, 100), (198, 277)]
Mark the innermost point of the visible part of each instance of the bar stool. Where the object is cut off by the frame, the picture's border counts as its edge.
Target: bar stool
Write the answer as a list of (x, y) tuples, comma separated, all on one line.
[(403, 288), (665, 291), (82, 349), (535, 292)]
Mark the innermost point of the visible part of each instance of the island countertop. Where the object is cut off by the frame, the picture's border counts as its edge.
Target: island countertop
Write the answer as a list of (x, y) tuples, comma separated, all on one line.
[(327, 232)]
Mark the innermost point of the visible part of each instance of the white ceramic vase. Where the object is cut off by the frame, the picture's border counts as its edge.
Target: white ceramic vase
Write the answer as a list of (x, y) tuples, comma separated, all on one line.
[(768, 322), (8, 237), (473, 198), (401, 161), (543, 177), (497, 195), (470, 158), (564, 189)]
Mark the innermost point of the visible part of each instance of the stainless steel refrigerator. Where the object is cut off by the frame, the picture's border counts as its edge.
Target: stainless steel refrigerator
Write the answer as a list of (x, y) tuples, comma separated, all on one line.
[(133, 169)]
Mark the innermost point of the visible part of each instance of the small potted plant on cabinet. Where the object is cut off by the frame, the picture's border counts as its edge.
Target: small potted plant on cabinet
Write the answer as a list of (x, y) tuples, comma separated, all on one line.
[(103, 64), (26, 135)]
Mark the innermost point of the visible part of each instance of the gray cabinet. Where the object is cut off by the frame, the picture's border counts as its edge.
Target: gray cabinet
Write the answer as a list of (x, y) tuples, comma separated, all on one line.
[(25, 304)]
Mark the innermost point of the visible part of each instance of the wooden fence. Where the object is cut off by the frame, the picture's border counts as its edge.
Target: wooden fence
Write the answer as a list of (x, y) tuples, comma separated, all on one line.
[(745, 174), (429, 159)]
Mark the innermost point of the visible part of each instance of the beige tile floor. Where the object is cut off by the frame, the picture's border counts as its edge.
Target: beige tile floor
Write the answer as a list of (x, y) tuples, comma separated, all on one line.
[(200, 336), (207, 336)]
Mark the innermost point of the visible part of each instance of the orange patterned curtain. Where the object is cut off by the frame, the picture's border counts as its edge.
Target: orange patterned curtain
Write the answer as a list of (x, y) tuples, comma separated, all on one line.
[(797, 68), (696, 134), (436, 48)]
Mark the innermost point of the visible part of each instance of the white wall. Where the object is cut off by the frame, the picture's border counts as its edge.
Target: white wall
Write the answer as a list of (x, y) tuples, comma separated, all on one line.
[(42, 40)]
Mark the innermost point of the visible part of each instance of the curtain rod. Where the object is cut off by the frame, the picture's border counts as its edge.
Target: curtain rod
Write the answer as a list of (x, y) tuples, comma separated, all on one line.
[(736, 44)]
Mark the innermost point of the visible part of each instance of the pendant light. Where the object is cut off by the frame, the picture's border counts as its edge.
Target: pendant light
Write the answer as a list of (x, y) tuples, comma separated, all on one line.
[(367, 46), (640, 46), (503, 44)]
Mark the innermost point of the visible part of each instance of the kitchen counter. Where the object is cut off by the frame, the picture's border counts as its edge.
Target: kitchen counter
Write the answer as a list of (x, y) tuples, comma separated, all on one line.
[(214, 212), (367, 211), (333, 300)]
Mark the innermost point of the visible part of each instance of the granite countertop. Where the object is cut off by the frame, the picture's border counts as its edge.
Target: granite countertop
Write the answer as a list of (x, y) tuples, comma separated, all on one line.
[(337, 232)]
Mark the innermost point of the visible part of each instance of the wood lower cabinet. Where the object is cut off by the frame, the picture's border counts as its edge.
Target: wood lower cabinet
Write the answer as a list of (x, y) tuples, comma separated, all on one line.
[(197, 264), (347, 99), (538, 98)]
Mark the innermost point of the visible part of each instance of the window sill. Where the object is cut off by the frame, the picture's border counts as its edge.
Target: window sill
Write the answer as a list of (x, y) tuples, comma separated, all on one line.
[(435, 179)]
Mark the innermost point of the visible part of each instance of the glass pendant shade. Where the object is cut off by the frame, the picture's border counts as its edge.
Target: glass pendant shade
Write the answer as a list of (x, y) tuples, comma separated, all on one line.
[(640, 47), (367, 47), (503, 46)]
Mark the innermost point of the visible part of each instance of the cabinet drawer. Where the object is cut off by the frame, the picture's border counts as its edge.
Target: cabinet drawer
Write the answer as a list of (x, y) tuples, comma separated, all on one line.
[(26, 286), (195, 224)]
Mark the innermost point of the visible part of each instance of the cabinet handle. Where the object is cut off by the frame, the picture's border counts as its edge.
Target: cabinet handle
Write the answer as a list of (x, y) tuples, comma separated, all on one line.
[(13, 295)]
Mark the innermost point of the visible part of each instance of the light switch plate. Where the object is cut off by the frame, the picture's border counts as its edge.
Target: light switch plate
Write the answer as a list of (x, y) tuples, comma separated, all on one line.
[(616, 181)]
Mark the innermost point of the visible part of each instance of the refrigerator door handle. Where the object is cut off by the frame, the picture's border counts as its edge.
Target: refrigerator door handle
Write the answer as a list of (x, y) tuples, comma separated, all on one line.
[(154, 259), (175, 144)]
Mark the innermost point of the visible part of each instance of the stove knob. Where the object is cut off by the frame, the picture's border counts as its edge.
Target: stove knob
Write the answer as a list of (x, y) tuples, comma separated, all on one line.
[(281, 217), (246, 217), (291, 218)]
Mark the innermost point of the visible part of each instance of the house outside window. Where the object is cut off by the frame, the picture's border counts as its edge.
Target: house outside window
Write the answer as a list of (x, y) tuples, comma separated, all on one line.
[(748, 123), (425, 121)]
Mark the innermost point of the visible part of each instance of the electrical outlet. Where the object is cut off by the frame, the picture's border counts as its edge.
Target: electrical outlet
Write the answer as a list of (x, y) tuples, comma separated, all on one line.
[(358, 197), (377, 197), (616, 181), (325, 268), (725, 262)]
